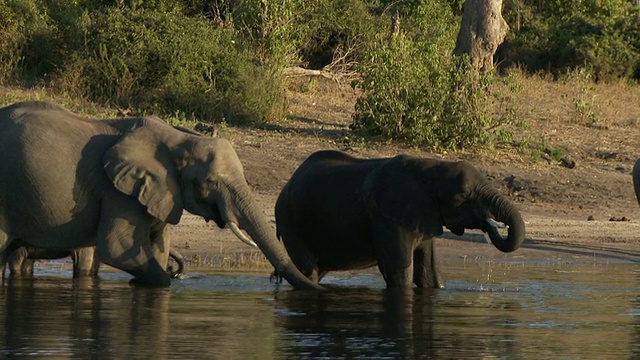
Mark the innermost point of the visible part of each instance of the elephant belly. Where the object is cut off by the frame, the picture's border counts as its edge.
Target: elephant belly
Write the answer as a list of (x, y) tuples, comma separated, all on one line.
[(329, 264), (53, 218), (54, 222), (344, 254)]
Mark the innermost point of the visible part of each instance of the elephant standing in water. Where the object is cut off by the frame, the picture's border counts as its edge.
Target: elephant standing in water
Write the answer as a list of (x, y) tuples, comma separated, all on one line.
[(68, 182), (338, 212), (20, 260)]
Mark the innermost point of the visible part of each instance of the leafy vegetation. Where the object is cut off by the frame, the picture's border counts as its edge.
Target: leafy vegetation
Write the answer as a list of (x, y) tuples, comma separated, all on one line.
[(415, 91), (559, 35), (223, 61)]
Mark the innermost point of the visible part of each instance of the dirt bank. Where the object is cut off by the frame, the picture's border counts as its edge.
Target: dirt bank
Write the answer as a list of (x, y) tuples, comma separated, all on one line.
[(586, 212)]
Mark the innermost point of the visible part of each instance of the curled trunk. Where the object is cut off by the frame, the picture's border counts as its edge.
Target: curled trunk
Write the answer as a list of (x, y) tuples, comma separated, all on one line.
[(506, 212), (179, 259)]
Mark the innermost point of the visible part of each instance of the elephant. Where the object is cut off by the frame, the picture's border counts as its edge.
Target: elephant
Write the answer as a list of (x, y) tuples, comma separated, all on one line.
[(338, 212), (68, 182), (20, 260), (635, 174)]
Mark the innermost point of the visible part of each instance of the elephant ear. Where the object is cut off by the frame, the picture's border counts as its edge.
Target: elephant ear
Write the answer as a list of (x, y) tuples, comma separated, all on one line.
[(139, 165), (403, 192)]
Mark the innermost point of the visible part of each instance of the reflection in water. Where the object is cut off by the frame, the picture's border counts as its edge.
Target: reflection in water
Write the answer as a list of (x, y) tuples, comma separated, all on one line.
[(565, 311), (48, 316), (358, 323)]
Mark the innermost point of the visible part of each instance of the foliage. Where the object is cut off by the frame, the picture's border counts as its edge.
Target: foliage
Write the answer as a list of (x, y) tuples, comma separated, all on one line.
[(415, 91), (151, 57), (165, 62), (328, 29), (581, 80), (558, 35), (223, 60)]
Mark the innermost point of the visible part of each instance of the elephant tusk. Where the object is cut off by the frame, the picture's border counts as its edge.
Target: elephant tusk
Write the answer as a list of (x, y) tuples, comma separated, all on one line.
[(496, 224), (236, 231)]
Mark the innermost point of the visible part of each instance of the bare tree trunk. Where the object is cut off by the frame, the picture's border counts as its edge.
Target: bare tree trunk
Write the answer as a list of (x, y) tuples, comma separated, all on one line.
[(483, 29), (636, 3)]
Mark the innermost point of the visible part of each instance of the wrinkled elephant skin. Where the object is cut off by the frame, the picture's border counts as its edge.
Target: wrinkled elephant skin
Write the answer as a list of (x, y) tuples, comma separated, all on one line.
[(68, 182)]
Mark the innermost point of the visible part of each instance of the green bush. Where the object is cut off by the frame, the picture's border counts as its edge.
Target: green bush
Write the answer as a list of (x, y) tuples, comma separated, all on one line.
[(334, 27), (148, 55), (563, 34), (415, 91), (165, 62), (29, 41)]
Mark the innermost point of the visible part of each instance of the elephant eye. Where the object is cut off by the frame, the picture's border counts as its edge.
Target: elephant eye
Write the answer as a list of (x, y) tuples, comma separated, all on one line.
[(210, 183)]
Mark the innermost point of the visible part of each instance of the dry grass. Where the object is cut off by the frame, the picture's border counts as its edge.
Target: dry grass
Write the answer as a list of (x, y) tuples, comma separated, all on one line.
[(225, 261)]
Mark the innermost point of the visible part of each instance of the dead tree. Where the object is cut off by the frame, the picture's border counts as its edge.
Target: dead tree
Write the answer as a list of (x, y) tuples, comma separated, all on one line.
[(483, 29)]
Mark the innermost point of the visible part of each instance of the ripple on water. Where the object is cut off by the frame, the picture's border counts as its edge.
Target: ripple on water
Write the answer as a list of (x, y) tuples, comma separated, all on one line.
[(487, 310)]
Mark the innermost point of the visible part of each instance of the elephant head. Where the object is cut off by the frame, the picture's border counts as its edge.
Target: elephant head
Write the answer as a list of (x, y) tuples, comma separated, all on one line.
[(170, 170), (468, 201), (450, 194), (636, 179)]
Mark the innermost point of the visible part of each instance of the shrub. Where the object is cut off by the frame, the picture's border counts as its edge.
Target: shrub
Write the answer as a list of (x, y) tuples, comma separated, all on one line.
[(29, 40), (330, 27), (416, 91), (563, 34), (166, 62)]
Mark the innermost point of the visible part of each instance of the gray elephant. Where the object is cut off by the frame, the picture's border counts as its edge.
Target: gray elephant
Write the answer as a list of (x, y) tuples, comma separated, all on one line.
[(20, 260), (338, 212), (635, 174), (69, 182)]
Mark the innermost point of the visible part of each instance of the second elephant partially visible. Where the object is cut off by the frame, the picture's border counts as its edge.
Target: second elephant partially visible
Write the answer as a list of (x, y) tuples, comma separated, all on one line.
[(338, 212), (20, 259)]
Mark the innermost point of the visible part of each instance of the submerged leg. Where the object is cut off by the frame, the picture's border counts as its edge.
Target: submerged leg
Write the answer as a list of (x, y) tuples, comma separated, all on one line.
[(124, 241), (425, 267), (393, 248), (85, 262)]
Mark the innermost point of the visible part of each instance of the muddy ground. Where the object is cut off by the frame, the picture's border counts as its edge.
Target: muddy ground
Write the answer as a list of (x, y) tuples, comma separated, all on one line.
[(581, 209)]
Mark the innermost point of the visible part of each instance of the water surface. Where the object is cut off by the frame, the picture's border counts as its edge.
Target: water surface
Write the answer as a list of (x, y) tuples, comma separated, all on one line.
[(488, 310)]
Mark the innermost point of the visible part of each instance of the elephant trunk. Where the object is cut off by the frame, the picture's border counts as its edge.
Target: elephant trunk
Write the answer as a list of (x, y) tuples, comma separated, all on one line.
[(179, 259), (252, 220), (504, 211)]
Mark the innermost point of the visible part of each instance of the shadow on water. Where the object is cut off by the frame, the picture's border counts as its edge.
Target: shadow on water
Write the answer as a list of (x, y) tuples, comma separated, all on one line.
[(358, 323), (487, 310), (48, 316)]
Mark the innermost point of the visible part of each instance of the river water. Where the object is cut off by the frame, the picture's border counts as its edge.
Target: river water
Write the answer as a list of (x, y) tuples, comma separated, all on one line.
[(488, 310)]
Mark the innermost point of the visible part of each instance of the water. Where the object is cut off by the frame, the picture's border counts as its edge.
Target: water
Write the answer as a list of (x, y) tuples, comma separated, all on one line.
[(488, 310)]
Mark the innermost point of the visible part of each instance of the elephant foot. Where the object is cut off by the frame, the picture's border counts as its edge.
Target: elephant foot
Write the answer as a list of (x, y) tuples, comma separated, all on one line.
[(179, 276), (275, 277)]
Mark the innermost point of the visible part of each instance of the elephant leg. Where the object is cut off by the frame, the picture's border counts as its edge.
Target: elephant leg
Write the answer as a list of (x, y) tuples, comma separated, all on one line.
[(26, 268), (85, 262), (393, 247), (161, 244), (425, 267), (19, 263), (124, 240), (303, 258)]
